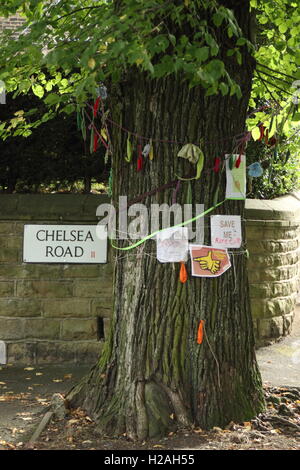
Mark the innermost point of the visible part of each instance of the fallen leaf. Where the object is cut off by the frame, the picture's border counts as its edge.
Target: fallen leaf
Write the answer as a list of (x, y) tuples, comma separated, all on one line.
[(217, 429), (158, 445), (247, 425), (68, 376), (72, 421), (56, 380), (28, 368), (39, 373)]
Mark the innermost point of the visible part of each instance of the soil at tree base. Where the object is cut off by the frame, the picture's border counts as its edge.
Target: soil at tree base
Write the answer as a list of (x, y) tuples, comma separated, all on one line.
[(278, 428), (25, 394)]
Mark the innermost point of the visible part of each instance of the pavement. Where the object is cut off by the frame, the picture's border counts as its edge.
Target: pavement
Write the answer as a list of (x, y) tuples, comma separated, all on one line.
[(25, 395), (25, 392), (280, 363)]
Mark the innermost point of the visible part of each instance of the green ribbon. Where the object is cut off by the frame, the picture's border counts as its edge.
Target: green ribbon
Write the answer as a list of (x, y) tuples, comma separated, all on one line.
[(134, 245)]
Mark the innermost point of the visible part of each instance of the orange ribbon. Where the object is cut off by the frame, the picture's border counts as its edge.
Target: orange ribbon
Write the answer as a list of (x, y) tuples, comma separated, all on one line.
[(183, 273), (200, 333)]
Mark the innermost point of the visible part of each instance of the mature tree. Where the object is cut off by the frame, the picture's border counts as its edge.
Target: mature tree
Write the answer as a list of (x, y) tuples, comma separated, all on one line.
[(176, 72)]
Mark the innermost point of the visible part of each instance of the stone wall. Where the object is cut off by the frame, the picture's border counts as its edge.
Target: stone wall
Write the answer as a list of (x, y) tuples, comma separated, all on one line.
[(60, 312), (13, 22), (273, 241), (50, 312)]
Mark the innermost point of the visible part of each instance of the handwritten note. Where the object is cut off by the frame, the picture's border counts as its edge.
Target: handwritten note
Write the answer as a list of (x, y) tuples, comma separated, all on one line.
[(226, 231), (172, 245)]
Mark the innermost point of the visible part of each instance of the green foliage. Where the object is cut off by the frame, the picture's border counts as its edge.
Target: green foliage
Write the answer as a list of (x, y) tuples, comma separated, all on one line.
[(68, 48), (281, 164), (278, 58), (52, 158), (101, 41)]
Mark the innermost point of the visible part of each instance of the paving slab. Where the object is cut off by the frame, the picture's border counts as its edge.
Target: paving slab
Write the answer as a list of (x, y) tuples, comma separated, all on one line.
[(280, 363), (25, 394), (26, 391)]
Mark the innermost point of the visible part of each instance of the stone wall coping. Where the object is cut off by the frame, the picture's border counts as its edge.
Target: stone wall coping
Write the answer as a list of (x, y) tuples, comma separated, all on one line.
[(70, 207), (284, 207), (57, 207), (293, 223)]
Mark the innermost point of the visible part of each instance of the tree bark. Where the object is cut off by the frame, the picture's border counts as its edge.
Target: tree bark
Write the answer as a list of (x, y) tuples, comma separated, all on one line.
[(153, 376)]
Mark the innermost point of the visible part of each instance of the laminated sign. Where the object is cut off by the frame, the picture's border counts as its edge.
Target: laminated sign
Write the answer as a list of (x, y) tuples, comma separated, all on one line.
[(208, 261)]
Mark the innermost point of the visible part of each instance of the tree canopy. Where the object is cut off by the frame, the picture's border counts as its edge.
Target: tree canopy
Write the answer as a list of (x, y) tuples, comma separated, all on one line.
[(66, 49)]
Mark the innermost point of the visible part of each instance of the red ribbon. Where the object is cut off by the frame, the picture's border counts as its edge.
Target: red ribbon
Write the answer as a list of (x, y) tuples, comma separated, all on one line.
[(96, 106), (216, 167), (262, 131), (96, 138), (238, 161), (140, 158)]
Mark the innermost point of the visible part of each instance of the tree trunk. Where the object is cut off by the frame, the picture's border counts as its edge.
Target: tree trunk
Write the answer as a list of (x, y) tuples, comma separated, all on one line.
[(153, 376)]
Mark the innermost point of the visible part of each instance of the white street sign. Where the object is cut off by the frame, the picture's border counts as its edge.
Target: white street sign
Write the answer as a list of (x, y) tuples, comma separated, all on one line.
[(65, 244)]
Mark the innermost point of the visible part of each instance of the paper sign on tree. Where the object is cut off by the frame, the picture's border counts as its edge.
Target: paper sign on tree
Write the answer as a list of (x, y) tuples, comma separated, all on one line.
[(226, 231), (208, 261), (235, 176), (172, 245)]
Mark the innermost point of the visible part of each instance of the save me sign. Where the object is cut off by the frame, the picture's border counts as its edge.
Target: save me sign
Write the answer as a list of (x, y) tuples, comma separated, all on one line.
[(226, 231), (65, 244)]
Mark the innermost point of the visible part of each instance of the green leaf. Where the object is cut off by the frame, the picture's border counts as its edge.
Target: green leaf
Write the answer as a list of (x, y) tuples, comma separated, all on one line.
[(239, 57), (52, 99), (202, 53), (172, 39), (241, 41), (224, 88), (38, 90), (296, 117), (218, 19), (229, 32), (283, 28), (255, 133), (215, 69)]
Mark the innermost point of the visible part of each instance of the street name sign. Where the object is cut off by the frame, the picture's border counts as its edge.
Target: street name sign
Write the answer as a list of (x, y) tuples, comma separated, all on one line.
[(65, 244)]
